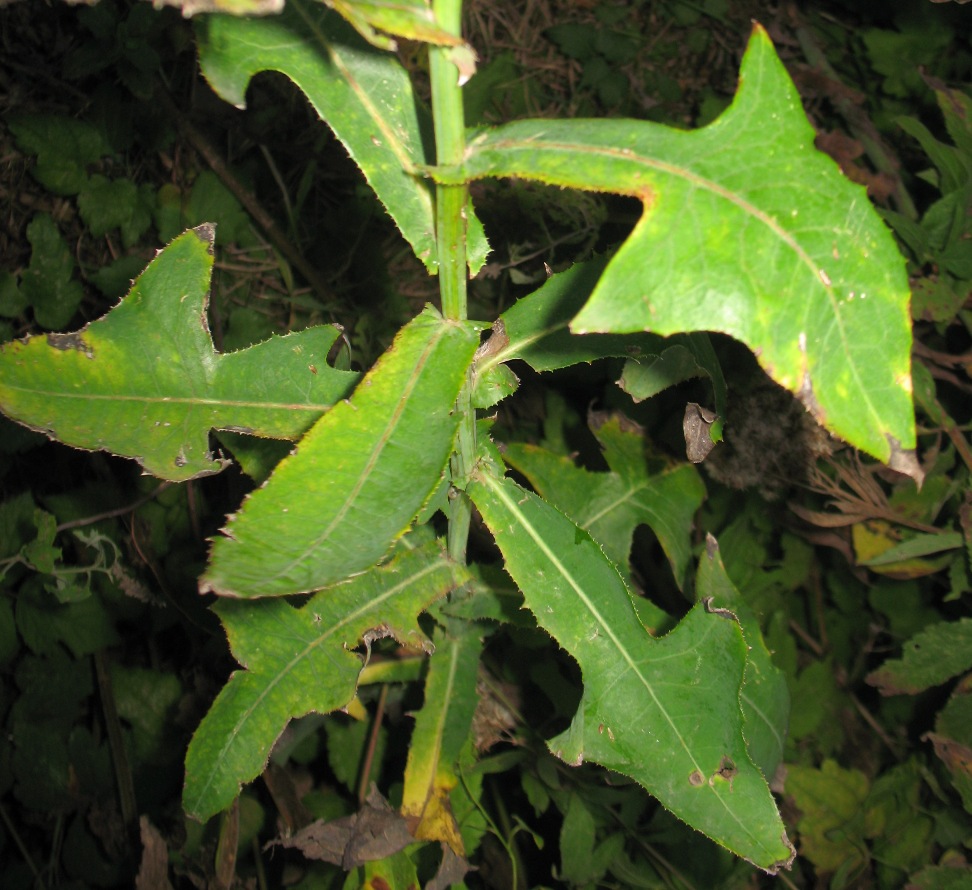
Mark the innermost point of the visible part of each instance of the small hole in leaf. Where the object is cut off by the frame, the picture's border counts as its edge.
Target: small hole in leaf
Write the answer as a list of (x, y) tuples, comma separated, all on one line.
[(727, 769)]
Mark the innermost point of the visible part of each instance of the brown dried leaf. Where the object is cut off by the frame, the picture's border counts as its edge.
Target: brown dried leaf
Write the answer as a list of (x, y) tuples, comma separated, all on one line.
[(153, 871), (376, 831), (696, 425)]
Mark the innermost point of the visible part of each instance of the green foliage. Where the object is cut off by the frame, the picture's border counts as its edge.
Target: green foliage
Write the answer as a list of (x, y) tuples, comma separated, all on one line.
[(634, 717), (282, 681), (376, 457), (48, 284), (701, 199), (942, 236), (132, 381), (612, 505), (432, 538), (362, 93)]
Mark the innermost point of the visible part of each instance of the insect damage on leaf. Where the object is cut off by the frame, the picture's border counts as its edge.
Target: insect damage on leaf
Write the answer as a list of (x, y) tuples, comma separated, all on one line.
[(74, 341)]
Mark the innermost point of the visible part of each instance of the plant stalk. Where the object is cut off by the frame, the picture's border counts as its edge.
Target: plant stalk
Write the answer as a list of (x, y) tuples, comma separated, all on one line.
[(450, 225), (450, 143)]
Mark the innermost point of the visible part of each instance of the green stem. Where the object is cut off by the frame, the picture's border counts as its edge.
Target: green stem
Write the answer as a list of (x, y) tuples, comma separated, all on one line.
[(450, 143), (450, 226)]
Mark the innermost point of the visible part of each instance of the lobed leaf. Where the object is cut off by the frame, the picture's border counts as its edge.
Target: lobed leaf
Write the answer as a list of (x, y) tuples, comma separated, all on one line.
[(664, 712), (611, 505), (747, 229), (299, 661), (145, 381), (354, 483), (363, 93)]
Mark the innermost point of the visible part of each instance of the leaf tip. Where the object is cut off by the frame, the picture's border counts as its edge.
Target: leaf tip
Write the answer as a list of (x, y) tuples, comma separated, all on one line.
[(905, 461), (206, 232), (758, 30), (786, 863)]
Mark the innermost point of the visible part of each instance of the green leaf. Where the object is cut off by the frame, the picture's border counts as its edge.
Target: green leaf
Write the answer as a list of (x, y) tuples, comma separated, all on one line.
[(115, 279), (492, 385), (41, 552), (412, 19), (536, 328), (18, 525), (764, 697), (664, 712), (364, 94), (300, 661), (919, 545), (749, 230), (644, 379), (942, 877), (900, 55), (41, 766), (83, 626), (48, 284), (831, 802), (573, 39), (358, 478), (441, 730), (683, 357), (256, 457), (211, 201), (903, 832), (12, 301), (954, 166), (577, 843), (611, 505), (930, 658), (956, 108), (64, 148), (145, 381), (147, 700), (116, 204)]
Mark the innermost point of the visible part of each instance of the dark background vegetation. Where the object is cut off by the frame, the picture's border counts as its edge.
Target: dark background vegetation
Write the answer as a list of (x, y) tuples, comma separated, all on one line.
[(111, 145)]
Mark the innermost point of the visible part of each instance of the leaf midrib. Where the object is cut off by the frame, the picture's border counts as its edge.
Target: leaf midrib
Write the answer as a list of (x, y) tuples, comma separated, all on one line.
[(541, 544), (373, 458), (496, 487), (169, 400), (819, 276)]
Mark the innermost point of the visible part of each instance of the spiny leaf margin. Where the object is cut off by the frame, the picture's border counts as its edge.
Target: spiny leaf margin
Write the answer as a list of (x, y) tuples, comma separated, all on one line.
[(145, 381), (353, 485), (299, 661), (748, 230), (664, 712)]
